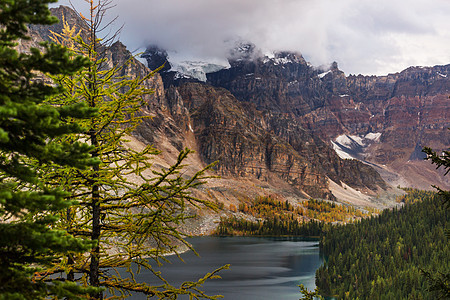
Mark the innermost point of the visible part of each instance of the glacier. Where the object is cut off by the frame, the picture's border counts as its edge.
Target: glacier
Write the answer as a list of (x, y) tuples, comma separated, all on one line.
[(196, 69)]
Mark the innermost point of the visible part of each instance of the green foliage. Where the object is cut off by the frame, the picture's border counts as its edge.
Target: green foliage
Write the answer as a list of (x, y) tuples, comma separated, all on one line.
[(28, 131), (382, 257), (16, 14), (307, 295), (440, 161), (440, 281), (129, 210), (413, 196)]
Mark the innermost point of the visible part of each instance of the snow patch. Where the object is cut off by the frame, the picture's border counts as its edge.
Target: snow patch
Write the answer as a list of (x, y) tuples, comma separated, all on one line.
[(196, 69), (269, 55), (142, 60), (344, 95), (322, 75), (373, 136), (281, 58), (282, 61), (278, 60), (341, 153), (350, 140), (352, 146), (179, 75), (442, 75), (190, 128)]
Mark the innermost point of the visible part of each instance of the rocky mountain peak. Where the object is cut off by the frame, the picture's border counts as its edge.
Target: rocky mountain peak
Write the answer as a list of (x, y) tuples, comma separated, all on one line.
[(156, 57), (242, 52), (119, 51), (285, 57), (66, 15), (334, 66), (271, 119)]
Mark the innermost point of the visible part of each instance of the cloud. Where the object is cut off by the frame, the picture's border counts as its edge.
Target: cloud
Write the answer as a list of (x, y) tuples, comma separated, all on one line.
[(363, 36)]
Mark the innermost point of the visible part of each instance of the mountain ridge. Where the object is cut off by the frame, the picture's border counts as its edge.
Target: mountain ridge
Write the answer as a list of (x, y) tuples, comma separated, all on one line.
[(270, 122), (411, 103)]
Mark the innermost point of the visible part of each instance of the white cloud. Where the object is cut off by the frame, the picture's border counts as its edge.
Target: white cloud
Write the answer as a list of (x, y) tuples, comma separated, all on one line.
[(363, 36)]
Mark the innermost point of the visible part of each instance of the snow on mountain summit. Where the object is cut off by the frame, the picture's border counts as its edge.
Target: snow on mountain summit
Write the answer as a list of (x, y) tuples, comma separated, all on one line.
[(284, 57), (195, 69)]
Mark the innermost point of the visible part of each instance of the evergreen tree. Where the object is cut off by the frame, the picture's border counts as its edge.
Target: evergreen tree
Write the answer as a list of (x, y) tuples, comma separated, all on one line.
[(28, 130), (309, 295), (440, 281), (440, 161), (381, 255), (130, 211)]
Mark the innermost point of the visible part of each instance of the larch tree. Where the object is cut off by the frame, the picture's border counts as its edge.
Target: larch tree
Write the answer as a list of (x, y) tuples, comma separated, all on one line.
[(130, 211), (30, 131)]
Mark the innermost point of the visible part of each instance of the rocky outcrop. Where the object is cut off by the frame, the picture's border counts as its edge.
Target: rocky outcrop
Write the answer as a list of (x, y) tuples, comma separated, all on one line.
[(239, 138), (265, 120), (248, 142), (410, 109), (279, 84), (66, 15), (156, 58)]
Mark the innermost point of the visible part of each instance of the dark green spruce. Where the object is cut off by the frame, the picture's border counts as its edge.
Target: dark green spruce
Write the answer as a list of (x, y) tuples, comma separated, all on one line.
[(383, 257), (27, 130)]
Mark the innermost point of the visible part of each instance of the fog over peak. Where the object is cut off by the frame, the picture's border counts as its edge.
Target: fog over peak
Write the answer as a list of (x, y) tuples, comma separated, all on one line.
[(363, 36)]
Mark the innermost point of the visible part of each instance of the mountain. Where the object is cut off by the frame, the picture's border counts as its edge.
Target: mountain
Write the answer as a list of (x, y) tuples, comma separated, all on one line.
[(278, 126), (404, 111), (253, 142)]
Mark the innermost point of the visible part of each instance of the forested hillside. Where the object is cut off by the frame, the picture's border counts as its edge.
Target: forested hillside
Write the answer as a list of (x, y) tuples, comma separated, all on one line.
[(384, 257), (275, 217)]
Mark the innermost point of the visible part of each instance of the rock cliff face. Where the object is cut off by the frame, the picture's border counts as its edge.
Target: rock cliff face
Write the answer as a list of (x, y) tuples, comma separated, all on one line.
[(410, 109), (249, 142), (269, 121), (239, 138), (262, 143), (285, 83)]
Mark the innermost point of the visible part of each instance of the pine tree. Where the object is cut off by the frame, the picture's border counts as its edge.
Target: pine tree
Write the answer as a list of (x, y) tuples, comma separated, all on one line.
[(28, 130), (440, 281), (124, 204)]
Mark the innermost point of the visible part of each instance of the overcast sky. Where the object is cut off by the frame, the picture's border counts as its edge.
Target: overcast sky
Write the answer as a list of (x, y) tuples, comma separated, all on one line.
[(372, 37)]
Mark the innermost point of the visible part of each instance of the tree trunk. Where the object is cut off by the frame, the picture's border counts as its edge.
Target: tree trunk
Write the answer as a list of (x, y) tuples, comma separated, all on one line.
[(94, 272)]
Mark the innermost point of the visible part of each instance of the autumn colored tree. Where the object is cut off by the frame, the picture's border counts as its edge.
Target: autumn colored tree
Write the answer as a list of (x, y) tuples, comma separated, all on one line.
[(130, 211)]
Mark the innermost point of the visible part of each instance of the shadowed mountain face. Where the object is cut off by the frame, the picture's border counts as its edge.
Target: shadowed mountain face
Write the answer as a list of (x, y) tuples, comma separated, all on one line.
[(269, 123), (406, 110)]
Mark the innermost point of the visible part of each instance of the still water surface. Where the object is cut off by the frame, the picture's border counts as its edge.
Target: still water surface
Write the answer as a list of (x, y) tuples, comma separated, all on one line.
[(261, 268)]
